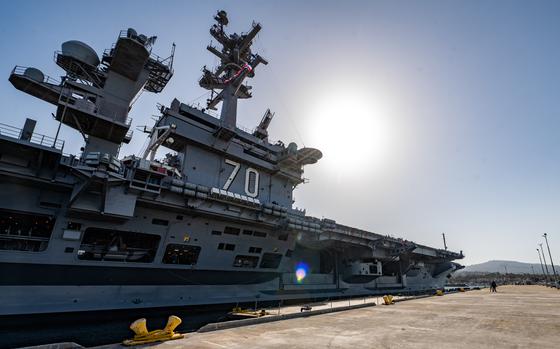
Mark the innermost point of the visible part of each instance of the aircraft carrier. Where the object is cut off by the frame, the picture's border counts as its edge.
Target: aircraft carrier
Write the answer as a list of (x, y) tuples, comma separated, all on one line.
[(204, 216)]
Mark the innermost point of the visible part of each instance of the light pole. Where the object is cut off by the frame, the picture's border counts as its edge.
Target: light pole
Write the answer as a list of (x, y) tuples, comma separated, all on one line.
[(550, 255), (540, 260), (544, 261)]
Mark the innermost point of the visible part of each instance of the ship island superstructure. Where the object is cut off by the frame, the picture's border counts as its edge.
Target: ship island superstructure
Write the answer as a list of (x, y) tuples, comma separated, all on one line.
[(212, 222)]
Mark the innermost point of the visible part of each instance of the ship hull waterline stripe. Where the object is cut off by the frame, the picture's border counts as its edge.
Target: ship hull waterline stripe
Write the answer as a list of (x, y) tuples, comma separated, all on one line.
[(20, 274)]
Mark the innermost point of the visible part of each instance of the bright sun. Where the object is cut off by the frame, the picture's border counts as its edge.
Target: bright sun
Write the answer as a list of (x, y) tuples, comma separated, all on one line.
[(351, 131)]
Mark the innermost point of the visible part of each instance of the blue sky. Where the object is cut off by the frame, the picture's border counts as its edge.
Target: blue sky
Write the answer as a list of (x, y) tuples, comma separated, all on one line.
[(434, 116)]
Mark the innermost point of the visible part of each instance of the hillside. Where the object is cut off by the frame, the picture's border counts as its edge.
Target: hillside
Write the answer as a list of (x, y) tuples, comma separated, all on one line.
[(513, 267)]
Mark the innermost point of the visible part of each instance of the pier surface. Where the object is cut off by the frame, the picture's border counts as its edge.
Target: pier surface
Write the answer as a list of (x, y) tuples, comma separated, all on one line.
[(515, 317)]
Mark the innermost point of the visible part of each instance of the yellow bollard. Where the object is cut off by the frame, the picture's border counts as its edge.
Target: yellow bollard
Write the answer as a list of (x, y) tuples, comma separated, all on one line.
[(439, 292), (388, 300), (139, 327), (142, 336), (238, 311)]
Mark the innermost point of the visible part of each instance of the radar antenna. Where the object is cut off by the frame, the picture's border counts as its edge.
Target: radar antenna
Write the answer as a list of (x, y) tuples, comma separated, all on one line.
[(261, 131), (237, 62)]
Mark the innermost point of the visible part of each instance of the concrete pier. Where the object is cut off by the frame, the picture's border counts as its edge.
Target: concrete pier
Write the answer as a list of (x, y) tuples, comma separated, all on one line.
[(515, 317)]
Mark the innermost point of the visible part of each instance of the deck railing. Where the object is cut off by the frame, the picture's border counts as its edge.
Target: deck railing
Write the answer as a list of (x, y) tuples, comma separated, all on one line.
[(20, 70), (36, 138), (167, 62)]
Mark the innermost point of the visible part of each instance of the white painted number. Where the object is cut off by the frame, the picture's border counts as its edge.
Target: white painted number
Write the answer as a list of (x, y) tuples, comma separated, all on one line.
[(252, 192), (251, 179), (236, 167)]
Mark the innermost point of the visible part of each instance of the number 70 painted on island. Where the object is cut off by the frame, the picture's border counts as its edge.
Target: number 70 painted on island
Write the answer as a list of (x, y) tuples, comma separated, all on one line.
[(250, 190)]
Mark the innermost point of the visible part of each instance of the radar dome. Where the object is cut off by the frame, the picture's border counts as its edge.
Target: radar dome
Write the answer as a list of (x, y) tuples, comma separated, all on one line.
[(292, 148), (34, 74), (80, 52), (131, 33)]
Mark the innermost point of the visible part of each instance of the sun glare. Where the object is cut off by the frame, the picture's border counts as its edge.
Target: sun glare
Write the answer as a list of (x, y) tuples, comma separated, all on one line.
[(351, 131)]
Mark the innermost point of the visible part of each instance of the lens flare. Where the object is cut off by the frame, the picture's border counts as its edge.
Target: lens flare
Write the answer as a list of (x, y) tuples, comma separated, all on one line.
[(301, 272)]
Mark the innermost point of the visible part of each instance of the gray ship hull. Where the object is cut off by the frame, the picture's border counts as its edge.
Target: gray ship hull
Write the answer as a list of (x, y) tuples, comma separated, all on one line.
[(36, 299)]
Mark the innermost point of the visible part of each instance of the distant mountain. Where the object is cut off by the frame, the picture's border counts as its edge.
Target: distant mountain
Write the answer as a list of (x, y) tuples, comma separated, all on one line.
[(511, 266)]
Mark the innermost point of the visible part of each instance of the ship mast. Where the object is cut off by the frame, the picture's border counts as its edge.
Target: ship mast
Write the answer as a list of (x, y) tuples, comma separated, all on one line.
[(96, 95), (237, 62)]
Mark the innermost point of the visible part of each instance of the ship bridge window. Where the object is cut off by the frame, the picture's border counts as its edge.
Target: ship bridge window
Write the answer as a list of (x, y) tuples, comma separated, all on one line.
[(255, 249), (271, 260), (118, 246), (231, 230), (259, 234), (227, 247), (283, 237), (24, 231), (181, 254), (241, 261)]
